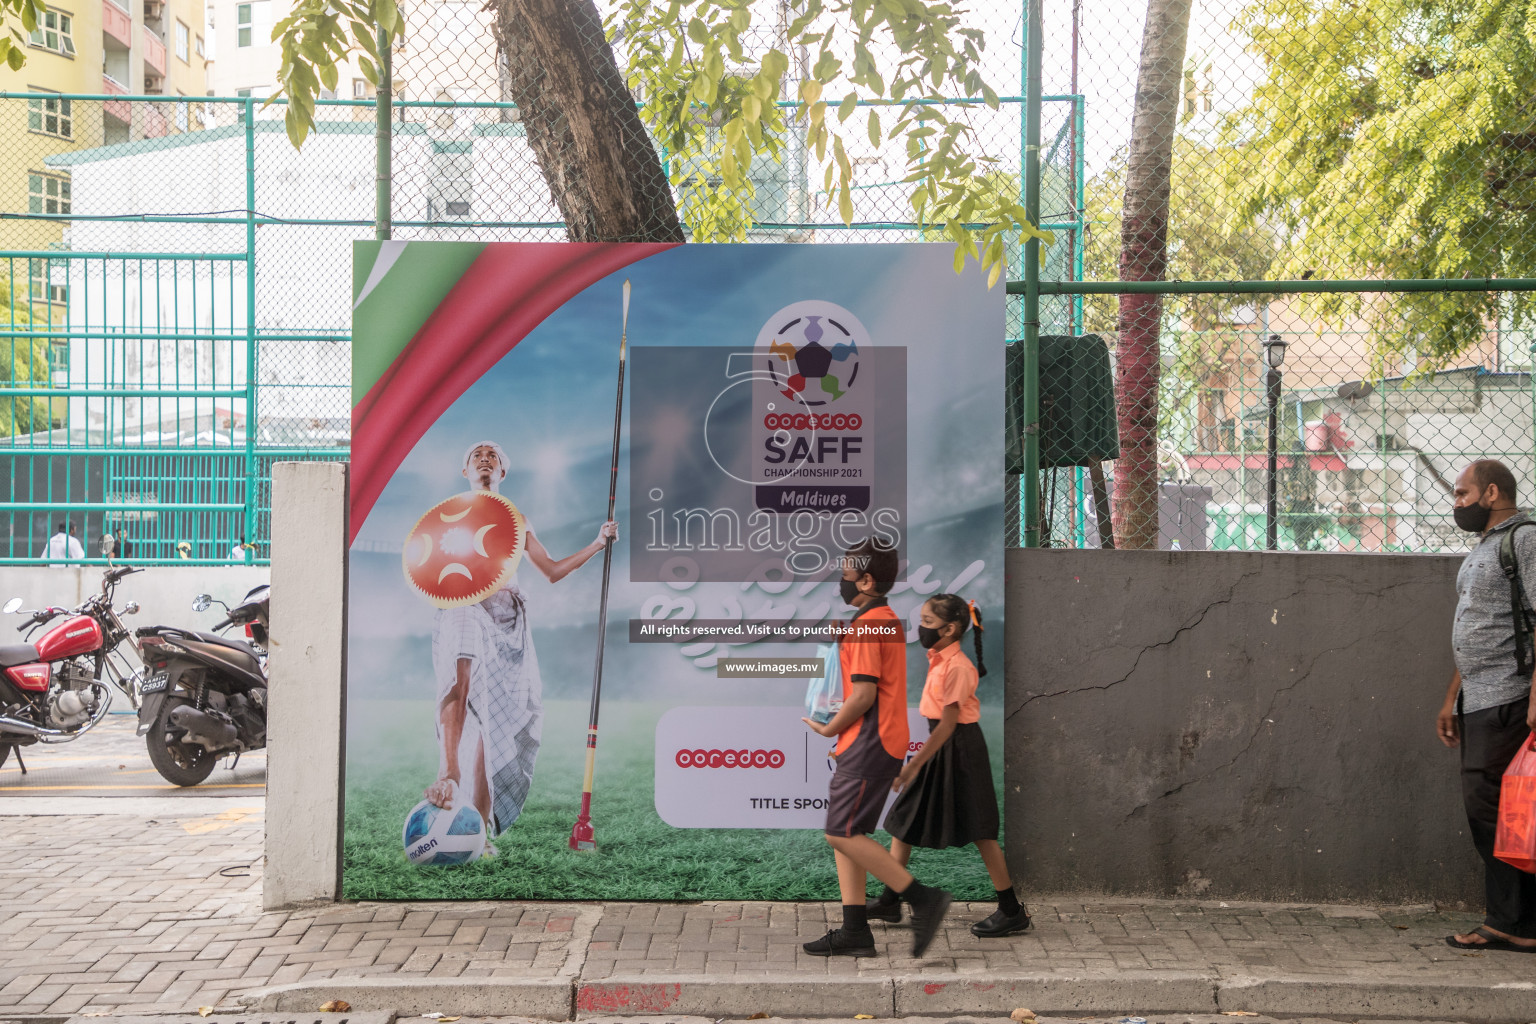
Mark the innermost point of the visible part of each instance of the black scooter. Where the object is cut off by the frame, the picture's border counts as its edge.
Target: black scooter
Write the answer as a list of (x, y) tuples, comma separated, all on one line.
[(204, 695)]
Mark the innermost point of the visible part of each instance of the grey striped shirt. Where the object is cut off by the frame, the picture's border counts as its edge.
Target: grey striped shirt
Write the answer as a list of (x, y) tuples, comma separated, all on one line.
[(1484, 633)]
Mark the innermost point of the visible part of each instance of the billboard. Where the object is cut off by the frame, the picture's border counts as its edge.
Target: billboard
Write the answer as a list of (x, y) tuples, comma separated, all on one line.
[(780, 403)]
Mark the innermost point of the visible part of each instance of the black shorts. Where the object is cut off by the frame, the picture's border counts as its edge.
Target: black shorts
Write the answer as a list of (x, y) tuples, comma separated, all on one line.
[(854, 805)]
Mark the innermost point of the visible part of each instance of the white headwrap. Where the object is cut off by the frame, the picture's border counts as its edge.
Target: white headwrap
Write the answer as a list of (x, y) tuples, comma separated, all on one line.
[(500, 454)]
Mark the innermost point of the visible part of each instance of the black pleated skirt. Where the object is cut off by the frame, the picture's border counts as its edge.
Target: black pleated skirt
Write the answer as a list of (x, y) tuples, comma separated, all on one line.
[(952, 801)]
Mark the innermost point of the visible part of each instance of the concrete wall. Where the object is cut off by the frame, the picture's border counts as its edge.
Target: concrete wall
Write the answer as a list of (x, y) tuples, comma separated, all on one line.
[(1233, 725), (164, 592), (307, 702)]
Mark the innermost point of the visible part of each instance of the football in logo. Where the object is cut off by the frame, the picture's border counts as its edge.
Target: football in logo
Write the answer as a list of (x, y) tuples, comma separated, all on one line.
[(464, 548), (813, 352)]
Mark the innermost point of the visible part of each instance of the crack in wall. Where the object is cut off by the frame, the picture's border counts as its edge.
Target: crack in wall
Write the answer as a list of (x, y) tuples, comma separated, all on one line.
[(1349, 581), (1253, 737), (1189, 625)]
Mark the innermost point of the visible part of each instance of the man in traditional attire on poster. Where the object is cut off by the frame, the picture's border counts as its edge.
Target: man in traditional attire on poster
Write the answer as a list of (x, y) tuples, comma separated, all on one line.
[(488, 675)]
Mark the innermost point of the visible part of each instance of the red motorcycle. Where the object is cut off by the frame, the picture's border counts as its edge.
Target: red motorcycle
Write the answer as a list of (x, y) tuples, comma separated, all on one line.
[(53, 690)]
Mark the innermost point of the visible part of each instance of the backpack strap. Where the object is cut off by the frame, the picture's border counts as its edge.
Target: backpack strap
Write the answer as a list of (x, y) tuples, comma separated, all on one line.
[(1524, 641)]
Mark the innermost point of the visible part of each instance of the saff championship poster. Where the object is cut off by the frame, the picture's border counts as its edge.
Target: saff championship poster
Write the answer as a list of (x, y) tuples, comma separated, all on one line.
[(781, 403)]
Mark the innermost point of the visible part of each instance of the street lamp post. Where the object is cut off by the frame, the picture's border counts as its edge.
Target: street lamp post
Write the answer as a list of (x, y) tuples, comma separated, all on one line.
[(1274, 356)]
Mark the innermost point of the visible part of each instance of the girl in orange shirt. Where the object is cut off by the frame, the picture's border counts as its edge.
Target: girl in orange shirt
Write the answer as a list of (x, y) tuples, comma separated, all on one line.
[(947, 797)]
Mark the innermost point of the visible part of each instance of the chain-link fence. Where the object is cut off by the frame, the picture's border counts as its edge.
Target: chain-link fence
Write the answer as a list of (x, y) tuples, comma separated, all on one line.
[(177, 276), (1376, 167), (179, 305), (1326, 451)]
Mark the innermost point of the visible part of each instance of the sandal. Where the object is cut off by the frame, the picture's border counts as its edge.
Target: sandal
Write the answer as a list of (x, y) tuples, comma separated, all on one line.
[(1490, 941)]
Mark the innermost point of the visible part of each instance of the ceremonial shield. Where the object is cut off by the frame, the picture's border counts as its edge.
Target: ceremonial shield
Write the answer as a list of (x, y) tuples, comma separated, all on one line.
[(464, 548)]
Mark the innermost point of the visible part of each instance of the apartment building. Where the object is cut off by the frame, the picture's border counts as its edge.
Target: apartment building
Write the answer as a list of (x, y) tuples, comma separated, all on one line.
[(447, 53), (149, 47)]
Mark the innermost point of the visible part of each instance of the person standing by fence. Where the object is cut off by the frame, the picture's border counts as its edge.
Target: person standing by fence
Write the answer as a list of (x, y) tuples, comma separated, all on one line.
[(63, 547), (1487, 710)]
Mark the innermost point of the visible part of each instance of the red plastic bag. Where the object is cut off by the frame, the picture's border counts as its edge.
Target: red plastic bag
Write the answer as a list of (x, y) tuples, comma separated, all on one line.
[(1515, 843)]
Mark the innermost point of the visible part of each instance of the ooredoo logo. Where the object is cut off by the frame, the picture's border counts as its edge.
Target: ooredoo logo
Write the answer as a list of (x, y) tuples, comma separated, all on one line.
[(729, 758)]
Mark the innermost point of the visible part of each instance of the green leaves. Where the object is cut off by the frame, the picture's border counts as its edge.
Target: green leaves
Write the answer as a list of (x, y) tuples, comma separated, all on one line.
[(1393, 139), (23, 359), (12, 55), (387, 16), (317, 36), (13, 51), (722, 103), (713, 93)]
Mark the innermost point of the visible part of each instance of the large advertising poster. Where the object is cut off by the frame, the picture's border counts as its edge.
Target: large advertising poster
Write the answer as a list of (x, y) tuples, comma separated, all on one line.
[(780, 405)]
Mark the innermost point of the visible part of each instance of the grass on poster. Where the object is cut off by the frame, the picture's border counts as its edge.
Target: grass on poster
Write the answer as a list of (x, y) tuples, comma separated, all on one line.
[(639, 856)]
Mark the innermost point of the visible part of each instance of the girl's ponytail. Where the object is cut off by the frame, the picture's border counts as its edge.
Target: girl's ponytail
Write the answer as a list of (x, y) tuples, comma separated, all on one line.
[(981, 666), (954, 608)]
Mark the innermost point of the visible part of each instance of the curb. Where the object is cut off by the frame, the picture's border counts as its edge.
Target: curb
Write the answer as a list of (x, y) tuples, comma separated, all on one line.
[(549, 999), (1300, 996), (1128, 991), (937, 995), (727, 996)]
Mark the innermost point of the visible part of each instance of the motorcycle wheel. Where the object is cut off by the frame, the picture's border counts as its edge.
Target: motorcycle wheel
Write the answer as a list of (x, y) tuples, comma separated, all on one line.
[(5, 753), (181, 764)]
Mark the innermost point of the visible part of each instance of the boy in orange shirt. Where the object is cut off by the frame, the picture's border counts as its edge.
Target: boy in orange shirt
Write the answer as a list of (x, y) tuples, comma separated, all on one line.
[(871, 731)]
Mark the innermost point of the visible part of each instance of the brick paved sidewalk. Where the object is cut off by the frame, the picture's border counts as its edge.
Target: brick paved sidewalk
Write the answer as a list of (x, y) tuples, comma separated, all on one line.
[(117, 913)]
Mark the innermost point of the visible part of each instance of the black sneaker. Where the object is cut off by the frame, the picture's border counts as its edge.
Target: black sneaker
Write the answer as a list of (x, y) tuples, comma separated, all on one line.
[(1000, 924), (877, 910), (839, 942), (927, 916)]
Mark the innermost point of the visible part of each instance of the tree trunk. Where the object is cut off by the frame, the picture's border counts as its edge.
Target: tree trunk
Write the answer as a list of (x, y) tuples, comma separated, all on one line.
[(1144, 257), (581, 121)]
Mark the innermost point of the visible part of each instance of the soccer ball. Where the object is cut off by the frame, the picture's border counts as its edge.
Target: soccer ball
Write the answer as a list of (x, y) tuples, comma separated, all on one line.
[(436, 835)]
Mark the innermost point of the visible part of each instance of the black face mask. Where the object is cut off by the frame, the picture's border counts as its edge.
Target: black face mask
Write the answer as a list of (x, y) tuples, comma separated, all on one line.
[(848, 589), (927, 637), (1472, 518)]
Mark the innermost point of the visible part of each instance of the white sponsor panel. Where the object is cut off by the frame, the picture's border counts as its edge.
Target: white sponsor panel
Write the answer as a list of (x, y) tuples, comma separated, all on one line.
[(748, 767)]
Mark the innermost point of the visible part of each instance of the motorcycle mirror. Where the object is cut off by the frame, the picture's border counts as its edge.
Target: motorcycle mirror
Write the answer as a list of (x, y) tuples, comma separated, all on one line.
[(202, 602), (131, 608), (13, 606)]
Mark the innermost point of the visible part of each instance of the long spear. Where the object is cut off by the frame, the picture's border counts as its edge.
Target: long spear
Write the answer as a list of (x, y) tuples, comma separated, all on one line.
[(582, 836)]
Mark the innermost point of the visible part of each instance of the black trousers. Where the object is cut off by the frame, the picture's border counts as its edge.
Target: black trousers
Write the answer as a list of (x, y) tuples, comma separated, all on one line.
[(1489, 741)]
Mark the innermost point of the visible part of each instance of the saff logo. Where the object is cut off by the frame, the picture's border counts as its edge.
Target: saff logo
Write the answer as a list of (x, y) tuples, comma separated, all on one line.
[(813, 352)]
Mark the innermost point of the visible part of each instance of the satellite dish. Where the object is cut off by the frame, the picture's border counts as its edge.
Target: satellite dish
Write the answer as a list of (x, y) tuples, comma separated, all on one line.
[(1354, 390)]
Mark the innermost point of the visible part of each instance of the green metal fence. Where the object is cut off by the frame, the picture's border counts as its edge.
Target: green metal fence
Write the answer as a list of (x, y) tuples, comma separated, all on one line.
[(167, 342), (146, 383), (1308, 253), (178, 277)]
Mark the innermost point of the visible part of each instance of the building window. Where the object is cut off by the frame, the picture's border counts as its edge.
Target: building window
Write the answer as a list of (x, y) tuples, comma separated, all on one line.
[(47, 193), (183, 43), (183, 117), (243, 18), (198, 48), (50, 117), (43, 287), (55, 32), (451, 192), (359, 88)]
